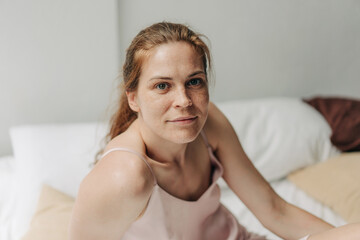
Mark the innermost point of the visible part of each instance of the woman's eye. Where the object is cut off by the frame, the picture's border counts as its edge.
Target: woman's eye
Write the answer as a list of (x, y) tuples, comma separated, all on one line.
[(161, 86), (194, 82)]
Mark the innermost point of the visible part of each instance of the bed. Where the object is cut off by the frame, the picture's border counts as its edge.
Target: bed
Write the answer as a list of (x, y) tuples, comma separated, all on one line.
[(288, 140)]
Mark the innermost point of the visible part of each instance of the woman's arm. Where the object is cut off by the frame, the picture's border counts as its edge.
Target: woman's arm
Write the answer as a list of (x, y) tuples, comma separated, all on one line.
[(111, 197), (280, 217), (346, 232)]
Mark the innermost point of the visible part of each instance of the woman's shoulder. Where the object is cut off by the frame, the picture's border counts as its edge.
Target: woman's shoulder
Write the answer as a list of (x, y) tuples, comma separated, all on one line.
[(114, 193), (123, 172), (122, 163), (120, 177)]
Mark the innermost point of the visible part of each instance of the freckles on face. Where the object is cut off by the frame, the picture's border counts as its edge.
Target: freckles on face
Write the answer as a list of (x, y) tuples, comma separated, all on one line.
[(173, 84)]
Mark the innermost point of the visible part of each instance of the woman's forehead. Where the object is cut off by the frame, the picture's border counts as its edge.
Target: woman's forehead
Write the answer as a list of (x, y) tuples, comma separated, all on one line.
[(172, 57)]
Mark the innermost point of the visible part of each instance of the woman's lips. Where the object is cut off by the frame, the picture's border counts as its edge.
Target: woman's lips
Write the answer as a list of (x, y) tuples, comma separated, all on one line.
[(184, 120)]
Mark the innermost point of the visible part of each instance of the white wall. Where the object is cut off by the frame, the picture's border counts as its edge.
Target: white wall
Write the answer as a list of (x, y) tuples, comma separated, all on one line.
[(266, 48), (58, 61)]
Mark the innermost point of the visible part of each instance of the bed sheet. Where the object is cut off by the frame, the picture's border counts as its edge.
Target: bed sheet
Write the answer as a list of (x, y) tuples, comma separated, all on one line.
[(287, 191)]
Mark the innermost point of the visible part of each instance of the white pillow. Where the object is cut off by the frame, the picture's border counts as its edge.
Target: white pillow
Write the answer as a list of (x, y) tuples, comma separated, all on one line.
[(280, 135), (58, 155), (6, 170)]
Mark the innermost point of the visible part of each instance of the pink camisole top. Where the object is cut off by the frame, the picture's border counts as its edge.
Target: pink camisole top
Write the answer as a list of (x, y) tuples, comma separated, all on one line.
[(168, 217)]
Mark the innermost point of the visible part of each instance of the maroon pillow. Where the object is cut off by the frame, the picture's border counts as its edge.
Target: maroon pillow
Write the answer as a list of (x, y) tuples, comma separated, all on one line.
[(343, 116)]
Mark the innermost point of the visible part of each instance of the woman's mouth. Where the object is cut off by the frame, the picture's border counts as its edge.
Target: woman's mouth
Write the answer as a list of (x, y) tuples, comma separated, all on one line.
[(184, 120)]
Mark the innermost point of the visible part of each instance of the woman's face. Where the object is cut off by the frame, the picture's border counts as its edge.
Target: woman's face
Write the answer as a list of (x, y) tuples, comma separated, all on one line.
[(172, 96)]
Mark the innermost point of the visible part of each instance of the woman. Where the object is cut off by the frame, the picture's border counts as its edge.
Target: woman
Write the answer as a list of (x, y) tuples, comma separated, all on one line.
[(169, 145)]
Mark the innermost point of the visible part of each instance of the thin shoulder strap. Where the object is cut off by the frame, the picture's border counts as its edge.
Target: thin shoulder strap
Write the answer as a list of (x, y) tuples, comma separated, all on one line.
[(134, 152), (213, 158)]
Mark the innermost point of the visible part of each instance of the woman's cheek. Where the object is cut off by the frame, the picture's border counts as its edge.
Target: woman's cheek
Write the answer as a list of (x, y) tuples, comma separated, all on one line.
[(158, 104), (202, 97)]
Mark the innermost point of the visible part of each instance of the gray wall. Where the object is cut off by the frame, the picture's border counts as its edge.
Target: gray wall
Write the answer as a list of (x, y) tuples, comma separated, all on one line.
[(59, 59), (266, 48)]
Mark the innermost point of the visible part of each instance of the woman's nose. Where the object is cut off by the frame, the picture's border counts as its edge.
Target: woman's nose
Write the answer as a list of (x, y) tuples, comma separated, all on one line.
[(182, 99)]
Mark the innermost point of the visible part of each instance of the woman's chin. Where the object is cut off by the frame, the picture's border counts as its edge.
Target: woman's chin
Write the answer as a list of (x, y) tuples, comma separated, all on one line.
[(183, 137)]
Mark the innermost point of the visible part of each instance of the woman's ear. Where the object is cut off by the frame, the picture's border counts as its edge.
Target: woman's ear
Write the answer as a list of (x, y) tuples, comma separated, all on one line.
[(132, 100)]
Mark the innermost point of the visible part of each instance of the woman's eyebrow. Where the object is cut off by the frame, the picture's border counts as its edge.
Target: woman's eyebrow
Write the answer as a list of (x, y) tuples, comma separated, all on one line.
[(161, 77), (169, 78), (196, 73)]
